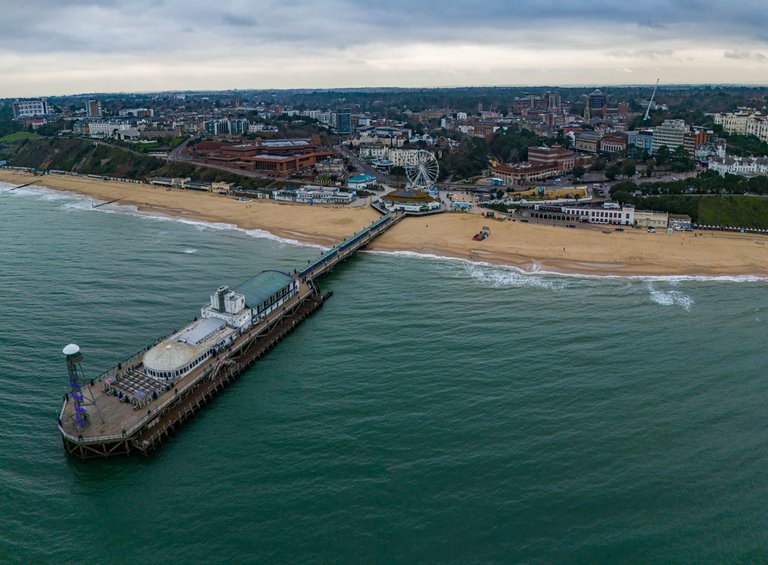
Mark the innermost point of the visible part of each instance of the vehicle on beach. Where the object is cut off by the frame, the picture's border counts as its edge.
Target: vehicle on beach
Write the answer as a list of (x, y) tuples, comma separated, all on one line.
[(651, 229), (483, 234)]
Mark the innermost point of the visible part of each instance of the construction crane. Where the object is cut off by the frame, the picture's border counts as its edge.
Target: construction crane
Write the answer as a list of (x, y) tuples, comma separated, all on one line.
[(650, 102)]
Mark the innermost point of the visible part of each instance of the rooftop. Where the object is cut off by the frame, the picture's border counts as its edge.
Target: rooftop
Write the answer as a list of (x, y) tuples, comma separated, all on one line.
[(259, 288)]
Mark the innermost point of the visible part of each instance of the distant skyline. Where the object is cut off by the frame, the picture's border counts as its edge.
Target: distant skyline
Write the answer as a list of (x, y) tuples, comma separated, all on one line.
[(50, 48)]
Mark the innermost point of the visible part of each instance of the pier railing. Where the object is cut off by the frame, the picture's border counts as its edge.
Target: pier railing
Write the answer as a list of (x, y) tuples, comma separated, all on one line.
[(143, 421), (349, 246), (204, 375)]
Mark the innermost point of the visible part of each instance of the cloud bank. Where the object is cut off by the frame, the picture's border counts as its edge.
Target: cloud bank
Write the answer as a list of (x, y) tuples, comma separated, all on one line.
[(52, 47)]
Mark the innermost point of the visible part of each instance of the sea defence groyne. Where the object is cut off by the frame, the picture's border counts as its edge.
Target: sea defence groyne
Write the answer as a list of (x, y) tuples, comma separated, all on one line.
[(136, 406)]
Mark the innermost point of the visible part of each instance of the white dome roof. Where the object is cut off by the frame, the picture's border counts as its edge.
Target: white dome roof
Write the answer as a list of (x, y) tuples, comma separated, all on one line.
[(170, 355)]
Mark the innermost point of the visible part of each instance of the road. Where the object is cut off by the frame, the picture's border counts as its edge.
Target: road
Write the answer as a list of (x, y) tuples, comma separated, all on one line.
[(177, 155)]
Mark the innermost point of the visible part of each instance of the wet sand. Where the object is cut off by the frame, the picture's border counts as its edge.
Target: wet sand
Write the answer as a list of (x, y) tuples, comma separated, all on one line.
[(528, 246)]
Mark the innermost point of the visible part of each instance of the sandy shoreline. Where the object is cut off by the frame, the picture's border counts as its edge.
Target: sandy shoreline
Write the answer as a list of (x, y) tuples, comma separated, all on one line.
[(530, 247)]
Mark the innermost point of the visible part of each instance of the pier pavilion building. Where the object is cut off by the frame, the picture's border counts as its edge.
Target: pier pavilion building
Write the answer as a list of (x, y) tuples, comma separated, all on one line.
[(230, 314)]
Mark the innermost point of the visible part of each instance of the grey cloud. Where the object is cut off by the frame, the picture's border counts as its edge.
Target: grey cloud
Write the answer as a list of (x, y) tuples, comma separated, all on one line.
[(239, 20), (753, 55), (142, 26)]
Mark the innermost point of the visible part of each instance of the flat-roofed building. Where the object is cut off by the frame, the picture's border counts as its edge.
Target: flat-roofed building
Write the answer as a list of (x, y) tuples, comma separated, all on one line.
[(651, 219), (642, 139), (310, 194), (587, 141), (93, 109), (613, 143), (523, 173), (556, 156), (621, 215), (671, 133)]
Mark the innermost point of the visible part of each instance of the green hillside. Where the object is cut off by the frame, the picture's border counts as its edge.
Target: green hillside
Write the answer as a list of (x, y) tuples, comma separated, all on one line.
[(96, 158), (741, 211)]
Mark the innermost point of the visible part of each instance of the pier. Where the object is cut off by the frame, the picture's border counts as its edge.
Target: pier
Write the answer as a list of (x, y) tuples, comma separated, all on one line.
[(135, 407), (349, 246)]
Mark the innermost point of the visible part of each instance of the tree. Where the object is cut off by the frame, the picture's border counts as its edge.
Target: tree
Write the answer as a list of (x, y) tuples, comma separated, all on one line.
[(662, 155), (499, 194), (598, 165), (628, 168), (649, 170), (612, 171), (398, 172), (578, 172)]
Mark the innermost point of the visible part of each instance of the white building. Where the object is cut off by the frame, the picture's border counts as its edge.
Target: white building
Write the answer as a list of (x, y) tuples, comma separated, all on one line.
[(609, 214), (30, 108), (310, 194), (101, 128), (373, 152), (256, 128), (403, 157), (651, 219), (670, 133), (744, 121), (136, 113), (745, 166)]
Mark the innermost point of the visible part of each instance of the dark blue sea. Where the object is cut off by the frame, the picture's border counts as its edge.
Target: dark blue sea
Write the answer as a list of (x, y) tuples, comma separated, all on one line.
[(432, 411)]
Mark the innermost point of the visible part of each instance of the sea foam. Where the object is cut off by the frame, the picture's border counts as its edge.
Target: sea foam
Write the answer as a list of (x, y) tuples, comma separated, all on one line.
[(503, 275), (74, 201)]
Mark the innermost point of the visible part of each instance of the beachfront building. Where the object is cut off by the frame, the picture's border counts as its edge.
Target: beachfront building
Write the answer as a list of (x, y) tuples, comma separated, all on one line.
[(413, 201), (608, 213), (189, 184), (310, 194), (651, 219), (361, 182)]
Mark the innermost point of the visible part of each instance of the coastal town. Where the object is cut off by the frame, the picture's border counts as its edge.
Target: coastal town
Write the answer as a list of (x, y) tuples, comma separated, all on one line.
[(619, 157), (408, 282)]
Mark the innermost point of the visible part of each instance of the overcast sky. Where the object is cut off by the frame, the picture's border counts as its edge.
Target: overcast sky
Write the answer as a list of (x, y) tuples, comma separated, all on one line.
[(50, 47)]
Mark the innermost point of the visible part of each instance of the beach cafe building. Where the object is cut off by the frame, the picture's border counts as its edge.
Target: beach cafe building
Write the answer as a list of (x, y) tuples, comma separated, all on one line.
[(609, 213), (361, 182), (309, 194)]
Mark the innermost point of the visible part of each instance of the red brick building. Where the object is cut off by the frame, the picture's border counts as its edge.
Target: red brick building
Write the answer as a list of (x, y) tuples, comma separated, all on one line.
[(556, 156), (274, 157)]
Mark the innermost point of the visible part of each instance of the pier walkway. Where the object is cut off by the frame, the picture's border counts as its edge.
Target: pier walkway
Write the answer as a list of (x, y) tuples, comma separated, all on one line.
[(349, 246)]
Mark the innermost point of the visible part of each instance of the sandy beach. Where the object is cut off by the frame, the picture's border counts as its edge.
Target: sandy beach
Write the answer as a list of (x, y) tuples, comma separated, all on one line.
[(528, 246)]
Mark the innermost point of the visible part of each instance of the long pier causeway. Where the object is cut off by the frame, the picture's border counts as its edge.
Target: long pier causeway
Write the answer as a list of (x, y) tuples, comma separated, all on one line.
[(98, 421)]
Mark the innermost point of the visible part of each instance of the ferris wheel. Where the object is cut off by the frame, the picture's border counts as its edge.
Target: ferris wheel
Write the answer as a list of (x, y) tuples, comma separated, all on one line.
[(422, 171)]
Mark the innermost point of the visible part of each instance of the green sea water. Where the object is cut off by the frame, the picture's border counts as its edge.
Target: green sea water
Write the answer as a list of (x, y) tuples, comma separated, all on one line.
[(432, 411)]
